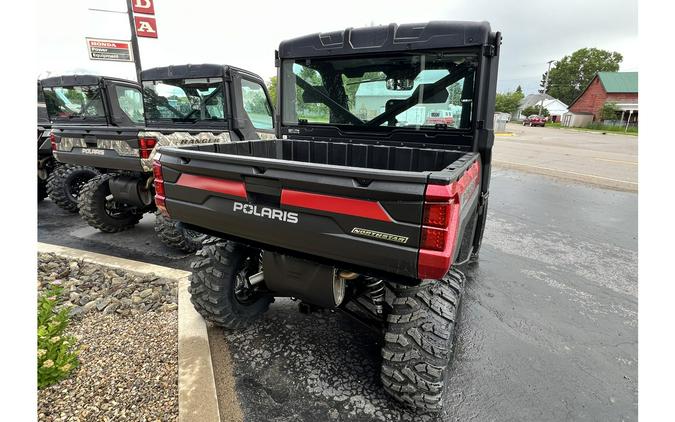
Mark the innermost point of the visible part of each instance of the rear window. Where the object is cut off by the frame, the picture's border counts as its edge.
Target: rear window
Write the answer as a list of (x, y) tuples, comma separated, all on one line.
[(74, 102), (184, 100)]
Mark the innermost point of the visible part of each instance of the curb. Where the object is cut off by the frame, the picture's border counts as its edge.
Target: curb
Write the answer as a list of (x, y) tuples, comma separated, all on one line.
[(197, 398)]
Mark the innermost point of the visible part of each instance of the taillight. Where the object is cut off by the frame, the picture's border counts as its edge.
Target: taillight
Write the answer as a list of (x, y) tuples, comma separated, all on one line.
[(146, 146), (440, 224), (52, 140), (436, 214), (433, 239), (160, 195)]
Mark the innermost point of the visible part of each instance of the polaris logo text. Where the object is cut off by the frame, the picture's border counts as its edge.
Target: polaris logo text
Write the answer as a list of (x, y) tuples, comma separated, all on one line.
[(265, 212)]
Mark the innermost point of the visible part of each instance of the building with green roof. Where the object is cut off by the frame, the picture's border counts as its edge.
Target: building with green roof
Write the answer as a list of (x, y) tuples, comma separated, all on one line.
[(620, 88)]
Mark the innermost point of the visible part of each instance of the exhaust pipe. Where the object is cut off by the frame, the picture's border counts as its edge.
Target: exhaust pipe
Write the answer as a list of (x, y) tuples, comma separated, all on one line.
[(131, 190)]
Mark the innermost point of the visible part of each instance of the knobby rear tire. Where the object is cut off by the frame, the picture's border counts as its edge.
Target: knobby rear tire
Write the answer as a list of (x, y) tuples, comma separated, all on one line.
[(176, 237), (213, 281), (418, 341), (93, 207), (65, 185)]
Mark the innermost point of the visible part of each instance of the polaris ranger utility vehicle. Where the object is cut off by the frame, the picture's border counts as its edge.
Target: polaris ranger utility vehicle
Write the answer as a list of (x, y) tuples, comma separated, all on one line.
[(361, 204), (187, 104), (83, 103)]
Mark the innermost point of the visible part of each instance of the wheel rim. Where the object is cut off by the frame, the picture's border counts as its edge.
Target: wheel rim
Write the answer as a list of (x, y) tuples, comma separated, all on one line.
[(74, 188)]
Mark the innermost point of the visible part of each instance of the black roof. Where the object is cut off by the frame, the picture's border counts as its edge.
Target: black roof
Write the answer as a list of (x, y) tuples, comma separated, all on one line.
[(187, 71), (184, 71), (393, 37), (79, 80)]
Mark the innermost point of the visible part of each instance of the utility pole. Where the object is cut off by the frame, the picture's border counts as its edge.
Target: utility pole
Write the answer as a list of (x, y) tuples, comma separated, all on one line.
[(134, 42), (541, 104)]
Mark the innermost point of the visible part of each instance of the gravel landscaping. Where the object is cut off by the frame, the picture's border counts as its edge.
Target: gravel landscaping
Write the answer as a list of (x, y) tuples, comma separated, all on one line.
[(127, 330)]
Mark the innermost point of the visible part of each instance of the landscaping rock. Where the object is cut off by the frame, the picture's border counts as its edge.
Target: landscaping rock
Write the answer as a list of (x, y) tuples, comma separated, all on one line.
[(94, 288)]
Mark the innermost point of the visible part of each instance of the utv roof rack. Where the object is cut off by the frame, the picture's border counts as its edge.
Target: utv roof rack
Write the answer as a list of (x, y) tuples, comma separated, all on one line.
[(76, 80), (393, 37)]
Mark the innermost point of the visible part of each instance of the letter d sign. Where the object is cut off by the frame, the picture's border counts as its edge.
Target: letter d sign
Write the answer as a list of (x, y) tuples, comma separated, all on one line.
[(143, 6), (145, 27)]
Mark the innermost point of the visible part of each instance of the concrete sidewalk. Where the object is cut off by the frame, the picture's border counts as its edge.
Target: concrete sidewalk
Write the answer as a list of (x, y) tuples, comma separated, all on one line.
[(605, 160)]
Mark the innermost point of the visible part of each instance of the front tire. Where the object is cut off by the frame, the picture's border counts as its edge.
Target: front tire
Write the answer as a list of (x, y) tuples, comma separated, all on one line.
[(101, 211), (176, 237), (215, 280), (65, 185), (418, 341)]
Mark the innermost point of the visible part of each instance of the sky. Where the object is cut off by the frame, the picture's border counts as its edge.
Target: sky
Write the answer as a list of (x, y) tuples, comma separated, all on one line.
[(245, 34)]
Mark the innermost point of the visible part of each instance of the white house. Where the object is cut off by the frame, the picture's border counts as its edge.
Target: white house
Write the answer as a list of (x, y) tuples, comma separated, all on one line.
[(554, 106)]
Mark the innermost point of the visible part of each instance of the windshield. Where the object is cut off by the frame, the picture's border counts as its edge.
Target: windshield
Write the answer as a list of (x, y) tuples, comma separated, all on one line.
[(430, 90), (74, 102), (184, 100)]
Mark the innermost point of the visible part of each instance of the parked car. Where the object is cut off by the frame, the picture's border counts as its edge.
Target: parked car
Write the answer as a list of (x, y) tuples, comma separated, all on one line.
[(362, 216), (440, 117), (534, 120)]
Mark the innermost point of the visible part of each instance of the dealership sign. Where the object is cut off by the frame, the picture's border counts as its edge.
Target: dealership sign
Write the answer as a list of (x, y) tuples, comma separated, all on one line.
[(113, 50), (144, 6), (145, 26)]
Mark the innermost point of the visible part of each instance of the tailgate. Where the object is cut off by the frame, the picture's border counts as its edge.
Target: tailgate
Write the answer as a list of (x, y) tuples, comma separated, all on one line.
[(101, 147), (367, 218)]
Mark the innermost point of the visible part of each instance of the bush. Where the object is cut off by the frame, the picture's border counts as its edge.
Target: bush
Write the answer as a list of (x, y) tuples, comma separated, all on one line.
[(57, 354), (609, 111)]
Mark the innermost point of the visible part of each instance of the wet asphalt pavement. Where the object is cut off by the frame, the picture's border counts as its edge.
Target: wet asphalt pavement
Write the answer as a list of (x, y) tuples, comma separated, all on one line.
[(548, 326)]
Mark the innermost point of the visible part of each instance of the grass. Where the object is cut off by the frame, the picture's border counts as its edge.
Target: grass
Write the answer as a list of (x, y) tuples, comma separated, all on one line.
[(599, 127)]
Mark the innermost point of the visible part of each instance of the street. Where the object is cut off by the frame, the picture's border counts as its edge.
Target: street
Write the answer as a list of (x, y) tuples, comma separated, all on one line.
[(609, 160), (548, 326)]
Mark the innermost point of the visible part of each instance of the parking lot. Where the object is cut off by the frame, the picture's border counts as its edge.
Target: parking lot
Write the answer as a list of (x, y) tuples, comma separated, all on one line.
[(548, 327)]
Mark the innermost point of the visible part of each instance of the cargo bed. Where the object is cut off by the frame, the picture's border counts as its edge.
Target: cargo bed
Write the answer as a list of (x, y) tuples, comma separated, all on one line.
[(356, 204)]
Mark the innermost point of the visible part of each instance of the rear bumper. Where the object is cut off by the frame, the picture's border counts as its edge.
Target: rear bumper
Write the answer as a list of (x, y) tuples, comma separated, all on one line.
[(105, 159)]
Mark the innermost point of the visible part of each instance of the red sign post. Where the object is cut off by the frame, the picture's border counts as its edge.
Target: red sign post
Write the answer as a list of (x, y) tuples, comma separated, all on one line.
[(145, 26)]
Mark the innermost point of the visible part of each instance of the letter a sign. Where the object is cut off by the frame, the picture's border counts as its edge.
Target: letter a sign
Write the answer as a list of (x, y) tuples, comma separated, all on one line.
[(145, 27)]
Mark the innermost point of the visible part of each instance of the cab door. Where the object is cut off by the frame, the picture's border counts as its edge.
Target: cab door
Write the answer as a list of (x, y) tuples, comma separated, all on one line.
[(253, 112)]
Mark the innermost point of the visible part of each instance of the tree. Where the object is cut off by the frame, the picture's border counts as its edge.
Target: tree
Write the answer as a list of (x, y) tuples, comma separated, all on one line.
[(609, 111), (272, 88), (508, 102), (571, 74), (528, 111), (519, 89)]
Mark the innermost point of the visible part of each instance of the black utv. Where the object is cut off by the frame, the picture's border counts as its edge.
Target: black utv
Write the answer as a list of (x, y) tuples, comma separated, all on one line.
[(365, 203), (84, 102), (179, 105)]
